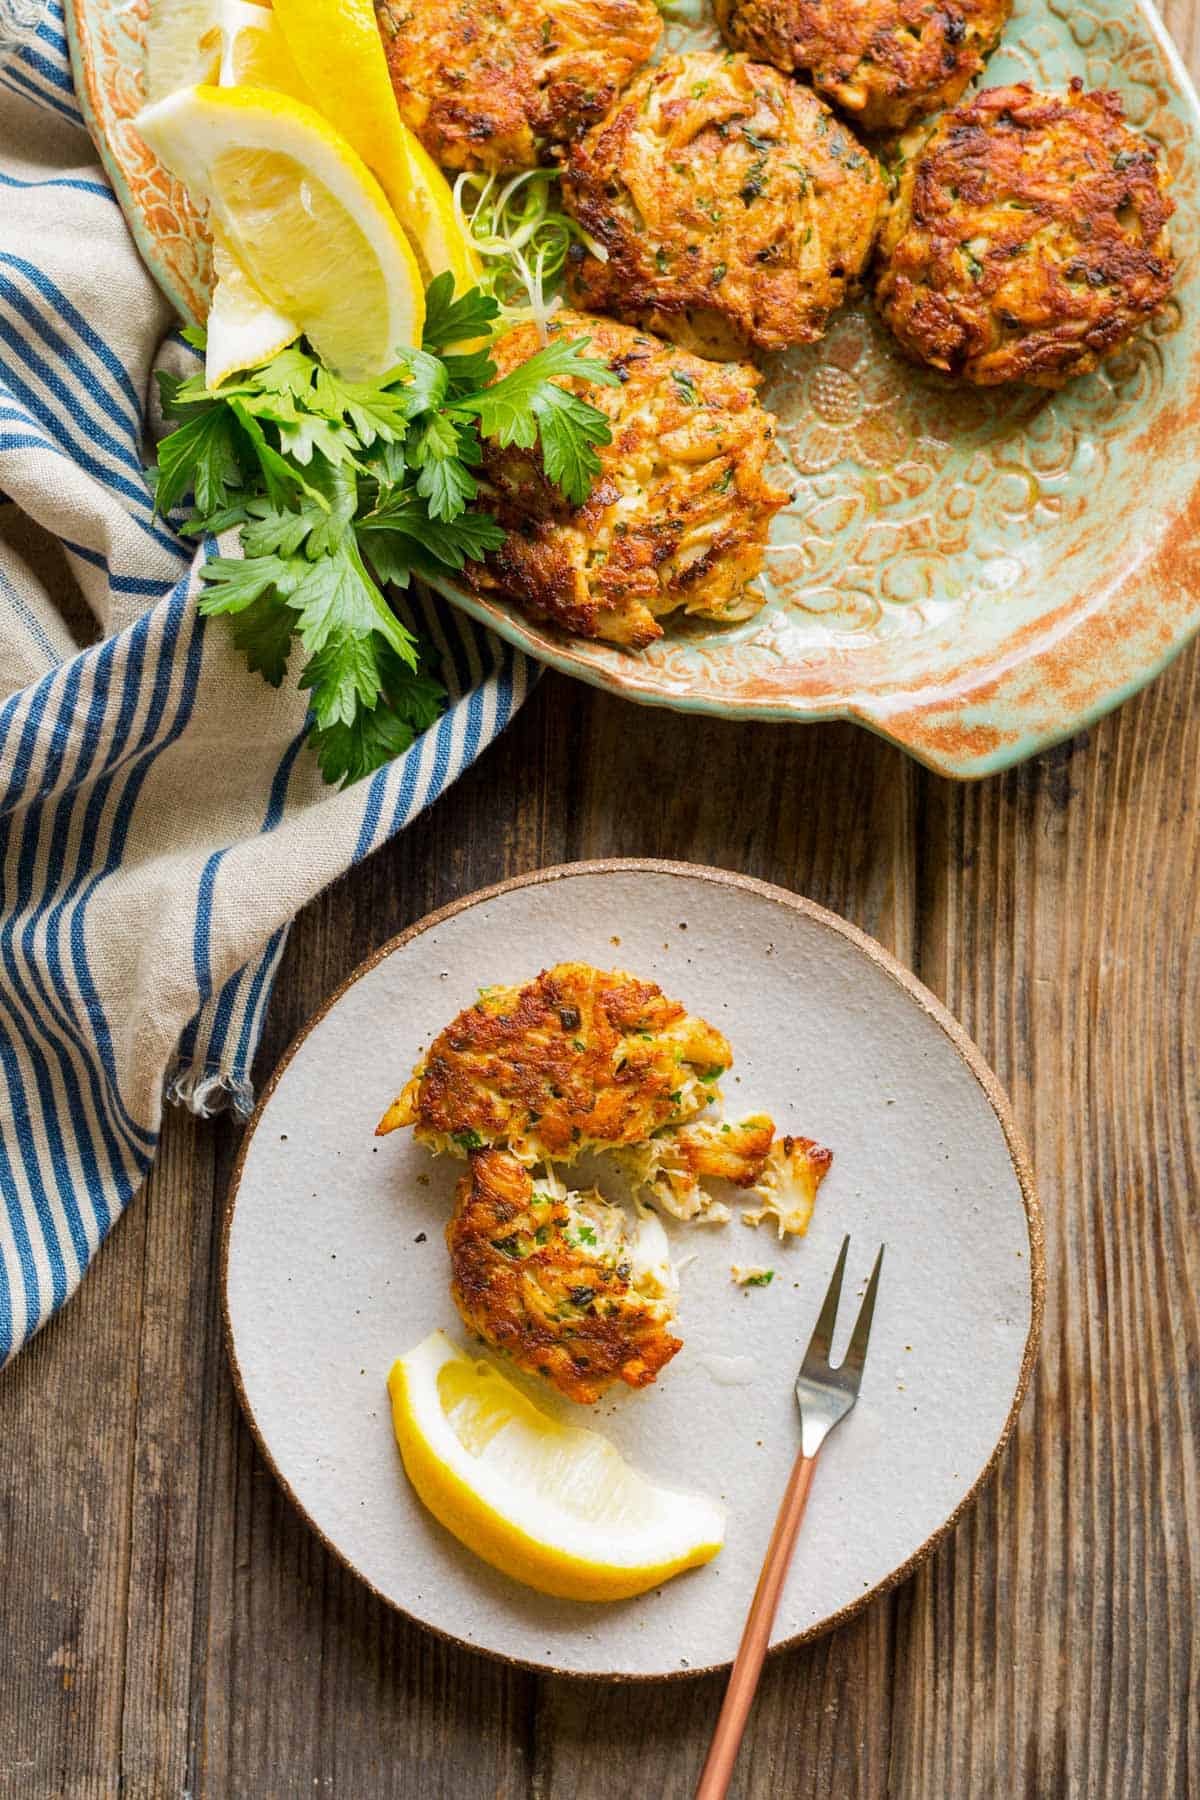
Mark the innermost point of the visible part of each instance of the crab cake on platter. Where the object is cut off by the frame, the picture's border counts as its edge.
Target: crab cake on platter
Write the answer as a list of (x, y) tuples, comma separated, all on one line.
[(733, 208), (676, 520), (885, 62), (580, 1059), (556, 1281), (490, 84), (1027, 239)]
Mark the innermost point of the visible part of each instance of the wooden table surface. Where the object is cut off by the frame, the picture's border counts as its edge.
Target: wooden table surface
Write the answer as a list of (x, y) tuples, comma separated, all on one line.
[(171, 1628)]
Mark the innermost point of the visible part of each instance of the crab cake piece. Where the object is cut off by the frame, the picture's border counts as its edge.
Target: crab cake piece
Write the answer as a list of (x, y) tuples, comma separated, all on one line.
[(672, 1167), (580, 1059), (555, 1281), (787, 1184), (1027, 239), (885, 62), (733, 207), (677, 518), (490, 84)]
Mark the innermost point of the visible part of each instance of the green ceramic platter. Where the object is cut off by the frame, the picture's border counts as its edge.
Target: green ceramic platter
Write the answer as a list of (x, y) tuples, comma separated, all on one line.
[(973, 574)]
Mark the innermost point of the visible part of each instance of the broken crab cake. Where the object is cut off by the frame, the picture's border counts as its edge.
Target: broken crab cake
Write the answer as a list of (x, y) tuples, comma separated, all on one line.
[(556, 1282), (579, 1059), (783, 1174)]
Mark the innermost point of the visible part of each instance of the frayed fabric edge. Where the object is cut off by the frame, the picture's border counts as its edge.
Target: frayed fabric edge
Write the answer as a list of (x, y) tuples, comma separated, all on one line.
[(206, 1091)]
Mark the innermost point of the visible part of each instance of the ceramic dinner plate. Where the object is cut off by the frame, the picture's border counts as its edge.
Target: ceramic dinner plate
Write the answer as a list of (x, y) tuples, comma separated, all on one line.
[(973, 574), (335, 1264)]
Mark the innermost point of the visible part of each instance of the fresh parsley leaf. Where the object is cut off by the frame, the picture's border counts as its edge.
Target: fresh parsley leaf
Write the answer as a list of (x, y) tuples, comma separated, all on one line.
[(334, 597), (339, 487), (567, 428), (348, 752), (443, 479), (449, 321), (235, 582), (204, 454), (263, 633), (508, 411), (342, 677), (375, 410)]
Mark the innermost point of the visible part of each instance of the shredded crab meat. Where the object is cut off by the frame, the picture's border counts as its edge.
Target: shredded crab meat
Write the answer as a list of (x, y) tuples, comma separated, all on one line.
[(787, 1187)]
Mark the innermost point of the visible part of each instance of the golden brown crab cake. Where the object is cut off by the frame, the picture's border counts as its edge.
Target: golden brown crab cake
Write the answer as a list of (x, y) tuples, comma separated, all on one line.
[(733, 208), (579, 1059), (555, 1281), (676, 520), (885, 62), (492, 84), (1027, 239)]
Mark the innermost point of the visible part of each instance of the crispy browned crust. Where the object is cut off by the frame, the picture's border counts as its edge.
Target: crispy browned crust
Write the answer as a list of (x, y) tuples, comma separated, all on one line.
[(734, 208), (551, 1306), (489, 84), (677, 517), (885, 62), (580, 1055), (1027, 239), (817, 1160), (737, 1154)]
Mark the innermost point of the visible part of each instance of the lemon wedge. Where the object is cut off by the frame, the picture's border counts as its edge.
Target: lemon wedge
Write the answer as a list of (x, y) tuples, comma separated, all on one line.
[(302, 216), (182, 46), (254, 51), (552, 1505), (336, 47), (243, 328)]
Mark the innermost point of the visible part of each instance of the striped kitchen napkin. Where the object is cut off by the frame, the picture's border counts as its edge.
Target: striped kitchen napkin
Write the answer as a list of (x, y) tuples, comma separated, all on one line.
[(160, 820)]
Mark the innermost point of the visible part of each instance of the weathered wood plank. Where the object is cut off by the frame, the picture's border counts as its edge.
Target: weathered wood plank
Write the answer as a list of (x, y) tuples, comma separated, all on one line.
[(1050, 1649)]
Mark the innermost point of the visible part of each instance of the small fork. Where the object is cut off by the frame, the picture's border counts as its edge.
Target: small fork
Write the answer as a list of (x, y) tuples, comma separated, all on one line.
[(824, 1396)]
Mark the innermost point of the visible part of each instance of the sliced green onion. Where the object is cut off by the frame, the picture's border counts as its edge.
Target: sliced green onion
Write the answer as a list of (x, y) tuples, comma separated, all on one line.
[(522, 237)]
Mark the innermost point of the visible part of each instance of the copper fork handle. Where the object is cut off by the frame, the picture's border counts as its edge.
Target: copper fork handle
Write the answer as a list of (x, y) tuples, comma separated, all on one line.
[(747, 1666)]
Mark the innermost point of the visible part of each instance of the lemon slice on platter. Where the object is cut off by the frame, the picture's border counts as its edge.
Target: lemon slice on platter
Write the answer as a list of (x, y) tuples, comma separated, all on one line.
[(244, 329), (555, 1506), (336, 46), (183, 46), (235, 42), (301, 214), (254, 52)]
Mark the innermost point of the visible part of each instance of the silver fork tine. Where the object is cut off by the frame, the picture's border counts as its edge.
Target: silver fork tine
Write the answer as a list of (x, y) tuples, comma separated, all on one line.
[(816, 1357), (856, 1350)]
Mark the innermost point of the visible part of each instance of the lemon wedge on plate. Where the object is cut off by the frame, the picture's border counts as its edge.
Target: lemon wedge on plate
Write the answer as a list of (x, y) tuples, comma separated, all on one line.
[(301, 214), (552, 1505), (336, 46)]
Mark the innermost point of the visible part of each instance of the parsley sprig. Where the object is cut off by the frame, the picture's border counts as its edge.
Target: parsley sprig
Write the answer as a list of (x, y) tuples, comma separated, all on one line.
[(342, 488)]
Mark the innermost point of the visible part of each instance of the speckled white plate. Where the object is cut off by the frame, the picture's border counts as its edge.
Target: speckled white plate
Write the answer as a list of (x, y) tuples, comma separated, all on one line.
[(335, 1263)]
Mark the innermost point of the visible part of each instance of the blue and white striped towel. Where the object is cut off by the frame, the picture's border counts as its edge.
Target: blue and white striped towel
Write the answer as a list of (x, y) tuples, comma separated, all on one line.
[(160, 823)]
